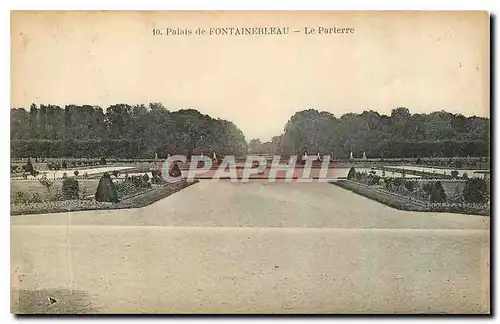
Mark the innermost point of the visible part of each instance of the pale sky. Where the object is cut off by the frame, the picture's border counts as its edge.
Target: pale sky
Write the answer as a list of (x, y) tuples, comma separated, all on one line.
[(423, 61)]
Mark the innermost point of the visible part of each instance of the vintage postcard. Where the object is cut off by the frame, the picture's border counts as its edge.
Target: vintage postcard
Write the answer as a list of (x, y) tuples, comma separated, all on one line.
[(250, 162)]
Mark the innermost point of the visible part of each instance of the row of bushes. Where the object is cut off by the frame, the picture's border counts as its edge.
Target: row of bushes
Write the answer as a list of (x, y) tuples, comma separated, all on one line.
[(452, 163), (107, 191), (28, 167), (73, 164), (475, 191)]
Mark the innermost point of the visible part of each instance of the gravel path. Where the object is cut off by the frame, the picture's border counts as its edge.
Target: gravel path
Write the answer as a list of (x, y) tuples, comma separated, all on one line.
[(255, 247), (262, 204)]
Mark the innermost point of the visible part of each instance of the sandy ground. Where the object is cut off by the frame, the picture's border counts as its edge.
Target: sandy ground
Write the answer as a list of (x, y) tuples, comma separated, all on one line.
[(256, 247)]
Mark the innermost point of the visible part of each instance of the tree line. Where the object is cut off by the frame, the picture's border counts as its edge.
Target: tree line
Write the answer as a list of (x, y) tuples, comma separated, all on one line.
[(402, 134), (122, 131), (141, 131)]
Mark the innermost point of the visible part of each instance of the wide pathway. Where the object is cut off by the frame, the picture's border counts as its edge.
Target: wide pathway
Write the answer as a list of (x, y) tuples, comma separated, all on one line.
[(254, 247)]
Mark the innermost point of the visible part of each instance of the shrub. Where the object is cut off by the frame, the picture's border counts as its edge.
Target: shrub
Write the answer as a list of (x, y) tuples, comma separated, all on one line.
[(36, 198), (410, 185), (454, 173), (437, 193), (20, 198), (351, 174), (175, 171), (84, 194), (156, 179), (398, 182), (373, 179), (145, 177), (70, 188), (65, 175), (136, 180), (103, 161), (427, 187), (116, 173), (76, 173), (419, 161), (156, 176), (46, 183), (475, 191), (29, 167), (457, 196), (106, 190), (465, 176), (64, 165)]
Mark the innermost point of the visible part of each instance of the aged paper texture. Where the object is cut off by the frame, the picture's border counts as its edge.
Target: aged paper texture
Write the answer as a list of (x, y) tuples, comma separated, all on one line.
[(250, 162)]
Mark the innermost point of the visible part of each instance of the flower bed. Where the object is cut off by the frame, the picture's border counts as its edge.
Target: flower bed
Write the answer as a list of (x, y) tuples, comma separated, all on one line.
[(382, 196), (404, 202), (48, 207), (151, 196), (136, 200)]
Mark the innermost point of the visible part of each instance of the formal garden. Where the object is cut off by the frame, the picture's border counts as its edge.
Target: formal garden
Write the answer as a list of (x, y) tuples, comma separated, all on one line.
[(73, 192), (459, 195)]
